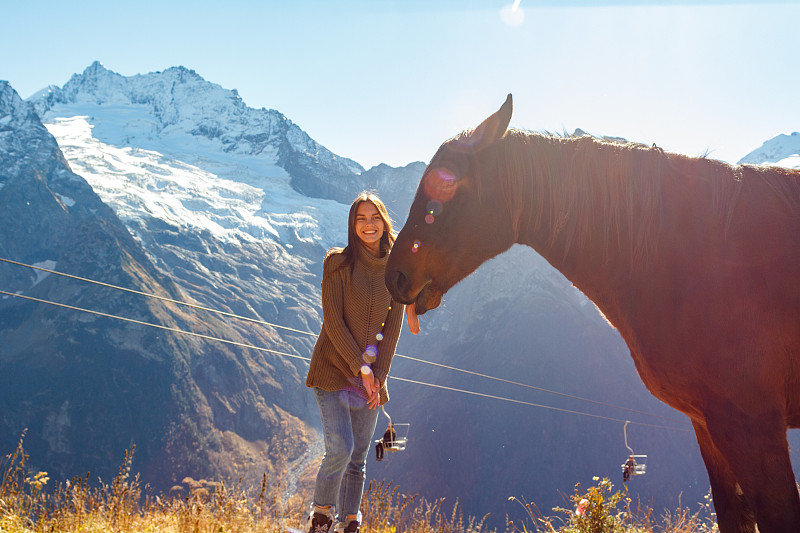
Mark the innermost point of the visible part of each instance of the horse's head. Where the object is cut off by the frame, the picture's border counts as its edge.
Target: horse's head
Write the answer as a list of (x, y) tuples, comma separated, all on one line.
[(458, 220)]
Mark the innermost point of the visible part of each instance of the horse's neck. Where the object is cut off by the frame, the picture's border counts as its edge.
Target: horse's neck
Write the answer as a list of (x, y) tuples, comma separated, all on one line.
[(569, 219)]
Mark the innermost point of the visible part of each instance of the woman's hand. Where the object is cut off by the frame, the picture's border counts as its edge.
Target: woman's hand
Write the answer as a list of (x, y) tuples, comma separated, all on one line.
[(373, 387)]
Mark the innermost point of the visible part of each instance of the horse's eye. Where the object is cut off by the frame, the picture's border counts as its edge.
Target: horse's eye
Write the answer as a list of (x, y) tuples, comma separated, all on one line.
[(440, 185)]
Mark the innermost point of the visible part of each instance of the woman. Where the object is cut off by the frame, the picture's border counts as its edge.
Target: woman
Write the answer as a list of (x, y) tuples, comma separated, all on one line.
[(351, 359)]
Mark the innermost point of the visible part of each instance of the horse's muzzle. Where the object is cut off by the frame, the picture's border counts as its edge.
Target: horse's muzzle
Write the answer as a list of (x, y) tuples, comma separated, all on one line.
[(399, 286)]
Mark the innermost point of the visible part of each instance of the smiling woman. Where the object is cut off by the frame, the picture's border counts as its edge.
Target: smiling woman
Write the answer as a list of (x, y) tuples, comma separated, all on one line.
[(370, 227), (351, 360)]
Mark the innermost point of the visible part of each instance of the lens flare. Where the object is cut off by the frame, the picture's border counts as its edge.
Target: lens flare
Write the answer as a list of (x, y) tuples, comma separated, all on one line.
[(415, 247), (434, 207), (429, 218), (379, 337), (370, 354), (440, 185), (512, 15)]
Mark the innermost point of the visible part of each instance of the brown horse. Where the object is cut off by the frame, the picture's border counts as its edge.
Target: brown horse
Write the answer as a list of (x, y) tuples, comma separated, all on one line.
[(694, 261)]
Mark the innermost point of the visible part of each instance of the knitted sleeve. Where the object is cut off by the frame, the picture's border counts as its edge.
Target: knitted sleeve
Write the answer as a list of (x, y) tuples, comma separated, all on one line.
[(333, 279), (391, 334)]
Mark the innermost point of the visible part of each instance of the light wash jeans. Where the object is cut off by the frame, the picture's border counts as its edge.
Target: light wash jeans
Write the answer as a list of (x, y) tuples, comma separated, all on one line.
[(348, 425)]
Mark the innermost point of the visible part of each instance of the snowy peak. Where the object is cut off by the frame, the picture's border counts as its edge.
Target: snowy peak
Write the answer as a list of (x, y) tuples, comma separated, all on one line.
[(782, 150), (175, 97), (48, 94), (178, 104), (94, 80), (179, 99)]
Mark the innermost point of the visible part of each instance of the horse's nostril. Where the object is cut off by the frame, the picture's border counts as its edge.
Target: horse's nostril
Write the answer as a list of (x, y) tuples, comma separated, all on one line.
[(397, 283)]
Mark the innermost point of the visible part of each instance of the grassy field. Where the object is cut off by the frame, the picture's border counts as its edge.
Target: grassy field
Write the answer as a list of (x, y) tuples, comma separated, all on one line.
[(31, 502)]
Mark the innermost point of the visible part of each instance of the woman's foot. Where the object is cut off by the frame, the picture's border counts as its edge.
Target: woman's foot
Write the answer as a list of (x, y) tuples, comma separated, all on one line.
[(352, 527), (319, 523)]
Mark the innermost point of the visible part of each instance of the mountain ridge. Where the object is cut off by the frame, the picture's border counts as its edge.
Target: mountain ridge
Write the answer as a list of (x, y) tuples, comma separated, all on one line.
[(782, 150), (180, 100)]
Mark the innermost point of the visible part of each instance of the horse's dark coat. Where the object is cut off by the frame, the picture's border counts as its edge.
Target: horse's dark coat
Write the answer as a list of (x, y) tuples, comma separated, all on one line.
[(695, 262)]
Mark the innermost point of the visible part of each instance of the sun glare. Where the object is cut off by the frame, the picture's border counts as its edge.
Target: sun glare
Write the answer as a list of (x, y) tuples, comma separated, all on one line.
[(512, 15)]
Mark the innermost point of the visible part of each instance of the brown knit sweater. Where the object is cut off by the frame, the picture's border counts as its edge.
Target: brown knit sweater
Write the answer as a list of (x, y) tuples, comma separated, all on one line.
[(356, 307)]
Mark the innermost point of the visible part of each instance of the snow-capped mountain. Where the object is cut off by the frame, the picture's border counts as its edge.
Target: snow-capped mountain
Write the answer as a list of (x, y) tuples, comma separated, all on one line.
[(782, 150), (183, 114), (87, 386), (175, 115), (195, 175)]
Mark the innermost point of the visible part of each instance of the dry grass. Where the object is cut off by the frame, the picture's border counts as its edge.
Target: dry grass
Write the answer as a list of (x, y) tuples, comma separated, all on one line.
[(200, 506)]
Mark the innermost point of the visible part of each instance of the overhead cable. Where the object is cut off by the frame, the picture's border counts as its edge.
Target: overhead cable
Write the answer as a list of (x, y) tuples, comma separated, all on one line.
[(278, 326), (284, 354), (150, 324), (156, 296), (522, 402)]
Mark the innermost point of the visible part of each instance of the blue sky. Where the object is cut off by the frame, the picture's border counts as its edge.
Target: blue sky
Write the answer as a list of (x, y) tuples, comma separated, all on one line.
[(388, 81)]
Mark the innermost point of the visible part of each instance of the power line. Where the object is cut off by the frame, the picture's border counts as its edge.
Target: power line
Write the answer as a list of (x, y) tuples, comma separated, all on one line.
[(284, 354), (278, 326)]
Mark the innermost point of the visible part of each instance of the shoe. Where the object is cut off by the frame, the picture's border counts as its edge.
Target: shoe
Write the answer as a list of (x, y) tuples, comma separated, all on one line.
[(352, 527), (319, 523)]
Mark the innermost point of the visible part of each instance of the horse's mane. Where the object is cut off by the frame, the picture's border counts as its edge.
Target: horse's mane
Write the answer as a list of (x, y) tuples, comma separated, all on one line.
[(584, 181)]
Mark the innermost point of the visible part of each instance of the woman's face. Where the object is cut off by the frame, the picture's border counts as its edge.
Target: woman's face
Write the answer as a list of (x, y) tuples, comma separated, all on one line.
[(369, 226)]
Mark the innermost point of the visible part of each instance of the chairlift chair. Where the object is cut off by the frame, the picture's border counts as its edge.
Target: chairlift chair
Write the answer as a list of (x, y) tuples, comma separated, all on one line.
[(634, 465), (394, 439), (399, 442)]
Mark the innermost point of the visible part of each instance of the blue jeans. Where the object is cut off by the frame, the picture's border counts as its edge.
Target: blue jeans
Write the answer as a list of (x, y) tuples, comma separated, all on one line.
[(348, 425)]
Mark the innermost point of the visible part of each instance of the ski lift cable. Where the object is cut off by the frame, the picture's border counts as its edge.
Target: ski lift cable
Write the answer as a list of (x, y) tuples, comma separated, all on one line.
[(533, 387), (156, 296), (265, 323), (284, 354), (522, 402), (158, 326)]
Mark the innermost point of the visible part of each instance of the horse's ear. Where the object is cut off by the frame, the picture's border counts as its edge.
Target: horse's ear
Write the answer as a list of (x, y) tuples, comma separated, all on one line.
[(493, 127)]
